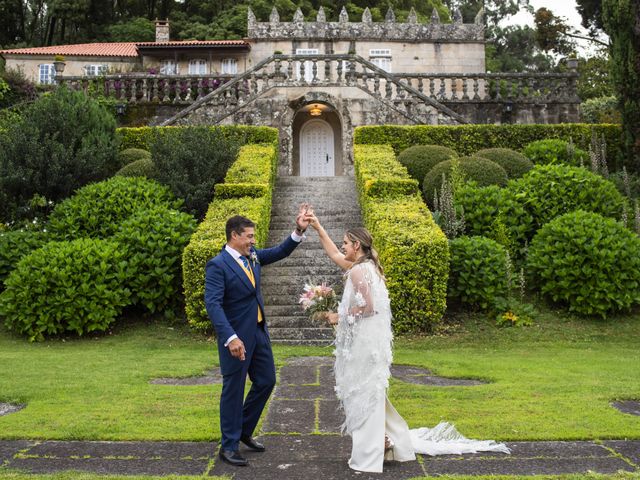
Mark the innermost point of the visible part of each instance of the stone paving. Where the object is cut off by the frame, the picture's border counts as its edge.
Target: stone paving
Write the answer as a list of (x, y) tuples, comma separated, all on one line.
[(301, 433)]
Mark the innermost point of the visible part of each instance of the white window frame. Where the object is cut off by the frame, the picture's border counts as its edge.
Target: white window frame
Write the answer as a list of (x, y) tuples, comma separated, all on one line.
[(381, 58), (198, 66), (95, 70), (308, 65), (229, 66), (46, 74), (168, 66)]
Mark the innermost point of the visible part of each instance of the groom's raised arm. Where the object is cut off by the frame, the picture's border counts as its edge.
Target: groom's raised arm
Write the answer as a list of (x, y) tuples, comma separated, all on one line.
[(213, 295)]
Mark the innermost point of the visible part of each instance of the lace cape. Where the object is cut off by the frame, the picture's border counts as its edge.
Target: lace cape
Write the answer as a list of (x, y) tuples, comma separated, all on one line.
[(363, 344)]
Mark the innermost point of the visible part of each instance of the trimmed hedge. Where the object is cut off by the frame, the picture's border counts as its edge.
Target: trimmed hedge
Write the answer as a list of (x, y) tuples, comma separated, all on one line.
[(514, 163), (552, 190), (478, 274), (140, 168), (76, 286), (413, 249), (588, 262), (130, 155), (419, 159), (142, 137), (475, 169), (466, 139), (209, 237), (98, 209), (551, 151)]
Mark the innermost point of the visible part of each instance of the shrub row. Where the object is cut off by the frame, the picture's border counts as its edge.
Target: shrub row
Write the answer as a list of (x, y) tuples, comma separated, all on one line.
[(468, 139), (412, 248), (253, 173), (142, 137), (123, 246)]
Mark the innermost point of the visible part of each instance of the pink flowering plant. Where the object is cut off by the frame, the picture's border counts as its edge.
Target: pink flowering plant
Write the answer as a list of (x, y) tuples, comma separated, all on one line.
[(317, 300)]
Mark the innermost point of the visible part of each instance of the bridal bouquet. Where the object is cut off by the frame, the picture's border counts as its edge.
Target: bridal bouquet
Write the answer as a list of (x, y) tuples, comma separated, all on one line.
[(317, 300)]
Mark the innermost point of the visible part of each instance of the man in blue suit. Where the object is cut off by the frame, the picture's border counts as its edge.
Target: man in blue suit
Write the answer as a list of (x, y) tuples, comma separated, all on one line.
[(236, 309)]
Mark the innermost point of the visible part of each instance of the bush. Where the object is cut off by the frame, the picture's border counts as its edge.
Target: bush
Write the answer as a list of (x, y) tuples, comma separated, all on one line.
[(191, 160), (413, 249), (552, 190), (478, 273), (476, 169), (630, 186), (514, 163), (97, 210), (63, 287), (63, 141), (589, 262), (467, 139), (552, 151), (419, 159), (601, 110), (16, 244), (140, 168), (485, 207), (130, 155), (21, 89), (255, 164), (153, 241), (142, 137)]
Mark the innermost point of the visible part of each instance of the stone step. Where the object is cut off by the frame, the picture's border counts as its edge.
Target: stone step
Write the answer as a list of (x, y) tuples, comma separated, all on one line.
[(279, 298), (292, 290), (283, 279), (300, 271), (334, 233), (295, 261), (302, 343), (293, 321), (292, 310), (325, 334)]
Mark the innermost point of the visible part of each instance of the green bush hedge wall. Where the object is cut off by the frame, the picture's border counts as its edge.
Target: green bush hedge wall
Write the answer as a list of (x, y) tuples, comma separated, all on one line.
[(209, 237), (588, 262), (413, 250), (467, 139), (142, 137)]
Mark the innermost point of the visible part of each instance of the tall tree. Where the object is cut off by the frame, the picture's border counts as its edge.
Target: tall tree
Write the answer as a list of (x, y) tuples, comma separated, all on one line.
[(621, 20)]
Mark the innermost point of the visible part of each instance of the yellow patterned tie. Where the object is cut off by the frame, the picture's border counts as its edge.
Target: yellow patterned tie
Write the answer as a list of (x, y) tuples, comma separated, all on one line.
[(247, 269)]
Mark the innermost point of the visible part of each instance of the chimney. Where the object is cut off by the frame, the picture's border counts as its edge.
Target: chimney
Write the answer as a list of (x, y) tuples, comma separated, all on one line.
[(162, 30)]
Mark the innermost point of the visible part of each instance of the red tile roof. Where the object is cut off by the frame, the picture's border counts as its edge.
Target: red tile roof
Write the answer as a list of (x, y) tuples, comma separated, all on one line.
[(121, 49)]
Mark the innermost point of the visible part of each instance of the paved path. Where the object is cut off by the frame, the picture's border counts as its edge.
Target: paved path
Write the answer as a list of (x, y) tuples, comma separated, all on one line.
[(300, 432)]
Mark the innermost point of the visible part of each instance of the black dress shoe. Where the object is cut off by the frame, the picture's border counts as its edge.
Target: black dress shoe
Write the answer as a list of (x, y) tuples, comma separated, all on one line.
[(233, 458), (252, 444)]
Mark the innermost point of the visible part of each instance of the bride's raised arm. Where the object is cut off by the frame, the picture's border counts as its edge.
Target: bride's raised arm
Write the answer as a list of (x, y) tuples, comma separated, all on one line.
[(329, 246)]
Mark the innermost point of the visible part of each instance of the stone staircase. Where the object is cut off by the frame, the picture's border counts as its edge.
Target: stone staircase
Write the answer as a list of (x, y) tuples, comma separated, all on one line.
[(335, 202)]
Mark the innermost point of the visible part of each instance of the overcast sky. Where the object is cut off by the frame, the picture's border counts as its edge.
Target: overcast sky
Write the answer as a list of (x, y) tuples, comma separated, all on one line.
[(560, 8)]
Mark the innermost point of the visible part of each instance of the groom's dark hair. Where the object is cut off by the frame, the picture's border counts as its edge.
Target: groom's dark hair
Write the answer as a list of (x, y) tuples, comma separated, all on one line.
[(238, 224)]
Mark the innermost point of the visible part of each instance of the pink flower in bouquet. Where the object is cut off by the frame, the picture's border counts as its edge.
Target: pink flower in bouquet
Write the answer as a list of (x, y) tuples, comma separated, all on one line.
[(318, 298)]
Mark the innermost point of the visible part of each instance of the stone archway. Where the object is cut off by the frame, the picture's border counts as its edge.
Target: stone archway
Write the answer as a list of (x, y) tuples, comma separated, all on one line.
[(291, 122)]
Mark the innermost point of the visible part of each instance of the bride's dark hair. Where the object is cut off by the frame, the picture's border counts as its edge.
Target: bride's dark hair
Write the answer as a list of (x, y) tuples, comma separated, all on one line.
[(363, 236)]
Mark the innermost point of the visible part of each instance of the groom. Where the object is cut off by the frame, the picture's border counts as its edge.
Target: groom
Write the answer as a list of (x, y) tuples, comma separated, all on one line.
[(236, 309)]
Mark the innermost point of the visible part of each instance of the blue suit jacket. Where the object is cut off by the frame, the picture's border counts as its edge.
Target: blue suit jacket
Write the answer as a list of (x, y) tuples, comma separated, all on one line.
[(232, 301)]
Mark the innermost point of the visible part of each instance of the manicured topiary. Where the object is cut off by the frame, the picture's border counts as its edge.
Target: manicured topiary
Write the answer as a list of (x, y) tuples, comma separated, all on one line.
[(413, 249), (477, 169), (16, 244), (588, 262), (478, 273), (98, 209), (485, 207), (153, 241), (552, 151), (514, 163), (548, 191), (419, 159), (130, 155), (139, 168), (76, 286)]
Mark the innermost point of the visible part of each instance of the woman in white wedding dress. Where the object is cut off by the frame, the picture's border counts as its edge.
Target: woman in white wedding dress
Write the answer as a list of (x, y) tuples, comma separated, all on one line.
[(363, 361)]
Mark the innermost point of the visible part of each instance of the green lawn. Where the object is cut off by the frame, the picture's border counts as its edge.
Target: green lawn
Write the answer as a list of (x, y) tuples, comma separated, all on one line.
[(550, 381)]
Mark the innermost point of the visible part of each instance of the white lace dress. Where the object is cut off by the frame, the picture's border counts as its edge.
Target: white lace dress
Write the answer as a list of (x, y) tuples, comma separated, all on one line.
[(363, 359)]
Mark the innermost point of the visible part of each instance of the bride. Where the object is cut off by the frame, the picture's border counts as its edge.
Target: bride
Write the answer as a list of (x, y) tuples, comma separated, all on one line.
[(363, 358)]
